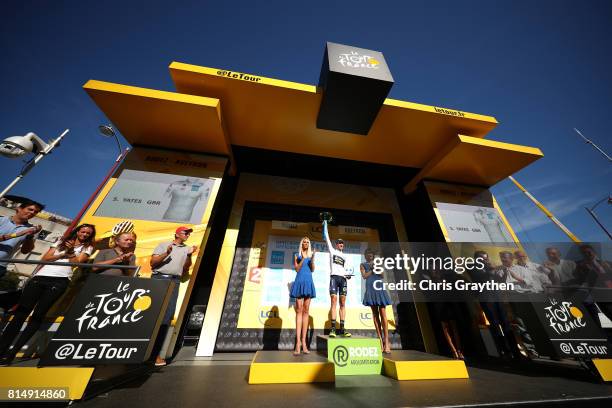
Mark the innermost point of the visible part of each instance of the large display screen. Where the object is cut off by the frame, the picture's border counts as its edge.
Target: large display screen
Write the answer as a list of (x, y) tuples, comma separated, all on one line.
[(144, 195), (266, 302), (469, 223), (159, 191)]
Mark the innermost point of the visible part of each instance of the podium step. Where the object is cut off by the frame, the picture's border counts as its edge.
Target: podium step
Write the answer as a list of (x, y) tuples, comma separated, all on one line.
[(355, 355), (604, 367), (324, 339), (416, 365), (282, 367)]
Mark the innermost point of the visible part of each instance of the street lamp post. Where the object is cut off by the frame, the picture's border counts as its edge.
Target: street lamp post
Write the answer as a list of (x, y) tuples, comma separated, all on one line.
[(106, 131), (588, 141), (17, 146), (591, 211)]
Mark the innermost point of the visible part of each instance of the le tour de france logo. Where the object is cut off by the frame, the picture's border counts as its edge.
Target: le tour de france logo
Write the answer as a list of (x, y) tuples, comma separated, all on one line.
[(563, 317), (123, 306), (354, 59)]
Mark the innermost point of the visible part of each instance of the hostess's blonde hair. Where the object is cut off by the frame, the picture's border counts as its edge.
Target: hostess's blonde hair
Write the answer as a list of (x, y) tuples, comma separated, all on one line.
[(308, 252)]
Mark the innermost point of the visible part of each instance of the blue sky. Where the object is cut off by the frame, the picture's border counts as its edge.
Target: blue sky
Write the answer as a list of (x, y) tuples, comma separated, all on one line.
[(540, 67)]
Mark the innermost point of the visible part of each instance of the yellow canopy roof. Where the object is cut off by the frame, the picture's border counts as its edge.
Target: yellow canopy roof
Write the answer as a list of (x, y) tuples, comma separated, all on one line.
[(217, 108), (470, 160)]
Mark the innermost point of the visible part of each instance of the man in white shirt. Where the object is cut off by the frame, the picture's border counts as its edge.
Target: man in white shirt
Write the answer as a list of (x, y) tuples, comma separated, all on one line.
[(531, 276), (561, 270), (337, 281)]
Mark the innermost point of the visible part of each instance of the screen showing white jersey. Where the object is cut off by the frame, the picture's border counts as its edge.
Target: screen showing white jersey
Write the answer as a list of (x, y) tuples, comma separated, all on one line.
[(143, 195), (489, 219), (184, 195), (469, 223)]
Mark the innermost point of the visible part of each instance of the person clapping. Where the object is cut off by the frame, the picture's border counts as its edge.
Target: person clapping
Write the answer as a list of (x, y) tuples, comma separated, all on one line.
[(122, 253)]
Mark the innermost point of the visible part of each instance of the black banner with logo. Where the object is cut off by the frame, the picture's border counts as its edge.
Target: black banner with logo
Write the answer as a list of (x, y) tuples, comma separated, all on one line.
[(114, 320), (566, 320)]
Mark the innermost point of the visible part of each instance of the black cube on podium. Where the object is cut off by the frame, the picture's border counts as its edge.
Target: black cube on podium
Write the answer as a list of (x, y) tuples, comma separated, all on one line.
[(355, 83)]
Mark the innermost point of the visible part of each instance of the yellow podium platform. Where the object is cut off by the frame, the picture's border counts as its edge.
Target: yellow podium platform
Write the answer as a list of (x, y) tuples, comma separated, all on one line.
[(75, 379), (282, 367), (416, 365), (604, 367)]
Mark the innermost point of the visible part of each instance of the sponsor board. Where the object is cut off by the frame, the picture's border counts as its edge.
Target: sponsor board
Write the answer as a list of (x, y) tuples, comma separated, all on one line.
[(114, 320), (269, 318), (365, 318), (355, 356)]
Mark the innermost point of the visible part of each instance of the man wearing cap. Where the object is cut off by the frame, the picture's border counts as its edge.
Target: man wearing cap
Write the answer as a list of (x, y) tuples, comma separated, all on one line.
[(337, 282), (171, 261)]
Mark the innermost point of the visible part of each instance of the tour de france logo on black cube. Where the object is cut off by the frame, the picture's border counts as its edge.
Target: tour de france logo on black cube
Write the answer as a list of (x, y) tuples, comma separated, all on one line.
[(114, 320), (571, 329)]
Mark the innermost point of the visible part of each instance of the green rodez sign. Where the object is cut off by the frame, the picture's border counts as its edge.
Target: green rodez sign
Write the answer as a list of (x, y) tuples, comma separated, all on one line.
[(353, 356)]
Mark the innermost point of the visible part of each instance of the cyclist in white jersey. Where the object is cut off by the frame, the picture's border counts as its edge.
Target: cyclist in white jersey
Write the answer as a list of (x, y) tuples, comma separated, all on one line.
[(337, 281)]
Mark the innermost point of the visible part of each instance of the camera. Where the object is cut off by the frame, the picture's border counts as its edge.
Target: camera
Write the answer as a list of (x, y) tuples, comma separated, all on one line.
[(16, 146)]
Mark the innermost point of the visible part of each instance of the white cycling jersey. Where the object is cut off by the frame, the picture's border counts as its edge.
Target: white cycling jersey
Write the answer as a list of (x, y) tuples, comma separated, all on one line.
[(184, 194), (492, 224), (337, 259)]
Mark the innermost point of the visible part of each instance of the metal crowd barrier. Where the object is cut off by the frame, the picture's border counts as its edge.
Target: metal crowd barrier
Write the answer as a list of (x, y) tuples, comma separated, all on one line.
[(74, 264)]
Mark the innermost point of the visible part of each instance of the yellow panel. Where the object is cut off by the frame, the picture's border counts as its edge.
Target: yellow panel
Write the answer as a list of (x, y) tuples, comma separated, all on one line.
[(73, 378), (179, 66), (148, 117), (494, 144), (604, 366), (506, 223), (440, 110), (214, 310), (483, 162), (476, 161), (291, 373), (271, 114), (424, 370)]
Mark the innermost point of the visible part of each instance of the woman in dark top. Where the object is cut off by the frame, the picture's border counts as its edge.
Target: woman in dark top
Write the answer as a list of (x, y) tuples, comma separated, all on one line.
[(122, 253), (377, 299)]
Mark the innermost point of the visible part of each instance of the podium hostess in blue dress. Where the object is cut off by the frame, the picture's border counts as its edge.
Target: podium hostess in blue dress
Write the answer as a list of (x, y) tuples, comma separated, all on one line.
[(302, 291), (378, 300)]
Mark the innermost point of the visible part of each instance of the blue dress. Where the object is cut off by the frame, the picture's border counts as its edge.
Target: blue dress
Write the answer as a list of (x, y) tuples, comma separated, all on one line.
[(303, 286), (372, 296)]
